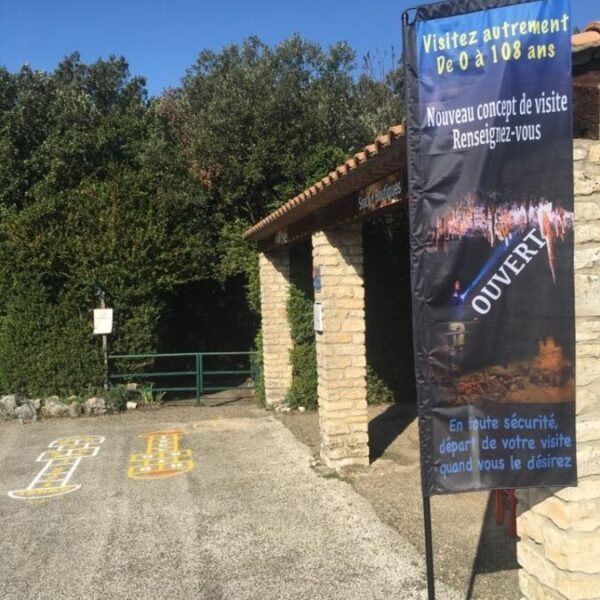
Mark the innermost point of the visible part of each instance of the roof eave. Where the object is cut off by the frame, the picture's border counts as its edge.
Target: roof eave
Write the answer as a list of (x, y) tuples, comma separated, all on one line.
[(340, 182)]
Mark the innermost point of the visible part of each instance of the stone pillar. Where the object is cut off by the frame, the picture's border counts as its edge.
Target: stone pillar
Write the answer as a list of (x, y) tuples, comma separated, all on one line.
[(559, 549), (277, 339), (341, 351)]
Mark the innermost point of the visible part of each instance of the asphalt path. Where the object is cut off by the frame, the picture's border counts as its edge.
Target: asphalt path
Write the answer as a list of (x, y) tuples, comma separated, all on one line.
[(241, 516)]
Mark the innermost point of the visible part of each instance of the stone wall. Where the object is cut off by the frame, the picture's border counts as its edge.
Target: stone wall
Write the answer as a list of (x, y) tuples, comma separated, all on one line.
[(586, 105), (277, 339), (341, 352), (559, 549)]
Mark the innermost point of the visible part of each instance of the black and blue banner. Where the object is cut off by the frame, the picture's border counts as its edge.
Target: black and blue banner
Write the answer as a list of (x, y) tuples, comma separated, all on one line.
[(489, 128)]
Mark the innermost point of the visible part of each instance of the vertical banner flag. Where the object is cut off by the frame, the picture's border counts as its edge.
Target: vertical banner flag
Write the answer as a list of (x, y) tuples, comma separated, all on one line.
[(491, 209)]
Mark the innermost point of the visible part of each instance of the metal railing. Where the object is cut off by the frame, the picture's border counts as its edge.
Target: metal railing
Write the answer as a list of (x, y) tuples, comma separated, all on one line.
[(197, 372)]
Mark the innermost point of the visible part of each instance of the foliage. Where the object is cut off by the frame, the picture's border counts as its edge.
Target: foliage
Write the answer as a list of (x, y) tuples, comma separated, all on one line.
[(378, 392), (45, 348), (303, 357), (73, 400), (381, 91), (148, 198), (303, 390), (117, 397), (94, 194), (258, 111), (259, 377), (148, 395), (258, 124)]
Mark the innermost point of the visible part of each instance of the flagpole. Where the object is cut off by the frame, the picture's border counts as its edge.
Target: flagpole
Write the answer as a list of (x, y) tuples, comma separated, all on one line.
[(428, 547)]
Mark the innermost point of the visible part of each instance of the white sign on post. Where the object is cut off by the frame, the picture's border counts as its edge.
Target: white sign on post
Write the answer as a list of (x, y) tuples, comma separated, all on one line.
[(103, 321), (318, 317)]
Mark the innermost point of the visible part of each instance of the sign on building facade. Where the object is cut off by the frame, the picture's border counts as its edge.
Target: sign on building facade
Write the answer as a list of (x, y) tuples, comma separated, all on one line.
[(491, 209)]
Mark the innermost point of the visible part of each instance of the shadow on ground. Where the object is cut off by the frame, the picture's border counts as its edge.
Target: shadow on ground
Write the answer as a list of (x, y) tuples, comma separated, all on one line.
[(471, 553), (496, 551), (241, 395), (387, 426)]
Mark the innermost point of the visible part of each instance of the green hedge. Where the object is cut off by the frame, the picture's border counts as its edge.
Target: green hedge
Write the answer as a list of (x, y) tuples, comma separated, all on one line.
[(303, 356), (47, 348), (259, 377)]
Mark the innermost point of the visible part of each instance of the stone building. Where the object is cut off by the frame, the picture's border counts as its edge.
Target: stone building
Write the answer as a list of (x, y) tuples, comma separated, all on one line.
[(559, 530), (328, 217)]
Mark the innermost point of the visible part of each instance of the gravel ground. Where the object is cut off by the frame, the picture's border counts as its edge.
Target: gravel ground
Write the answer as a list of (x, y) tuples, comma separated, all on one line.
[(250, 520), (471, 553)]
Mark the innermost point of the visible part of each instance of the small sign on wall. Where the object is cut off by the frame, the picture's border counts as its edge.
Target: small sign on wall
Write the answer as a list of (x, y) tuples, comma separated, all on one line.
[(316, 273), (318, 317), (103, 321)]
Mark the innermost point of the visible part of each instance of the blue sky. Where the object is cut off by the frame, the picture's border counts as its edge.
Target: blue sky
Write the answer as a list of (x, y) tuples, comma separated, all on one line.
[(161, 38)]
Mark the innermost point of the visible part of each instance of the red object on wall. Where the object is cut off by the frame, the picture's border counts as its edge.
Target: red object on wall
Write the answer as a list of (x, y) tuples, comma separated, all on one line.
[(511, 525)]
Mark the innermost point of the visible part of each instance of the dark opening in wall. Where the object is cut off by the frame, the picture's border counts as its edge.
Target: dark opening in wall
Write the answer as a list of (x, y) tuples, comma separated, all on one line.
[(301, 268), (388, 310)]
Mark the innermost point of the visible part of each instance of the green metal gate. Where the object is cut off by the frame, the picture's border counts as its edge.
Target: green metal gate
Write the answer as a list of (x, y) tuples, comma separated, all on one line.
[(186, 373)]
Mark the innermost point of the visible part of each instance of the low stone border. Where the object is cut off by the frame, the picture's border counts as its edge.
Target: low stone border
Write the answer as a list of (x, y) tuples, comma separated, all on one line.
[(13, 406)]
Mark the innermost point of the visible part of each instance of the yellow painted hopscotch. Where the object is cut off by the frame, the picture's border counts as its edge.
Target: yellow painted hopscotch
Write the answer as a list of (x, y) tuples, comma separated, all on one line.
[(62, 459), (162, 458)]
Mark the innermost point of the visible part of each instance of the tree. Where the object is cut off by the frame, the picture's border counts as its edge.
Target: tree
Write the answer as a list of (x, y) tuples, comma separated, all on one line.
[(148, 198), (259, 124), (103, 197), (381, 91)]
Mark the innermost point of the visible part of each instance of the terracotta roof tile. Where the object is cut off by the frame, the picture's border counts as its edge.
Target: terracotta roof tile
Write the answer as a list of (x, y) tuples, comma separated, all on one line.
[(590, 36), (580, 41)]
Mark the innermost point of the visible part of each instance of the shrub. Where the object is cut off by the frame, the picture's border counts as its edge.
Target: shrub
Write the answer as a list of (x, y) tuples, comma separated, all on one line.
[(378, 392), (303, 356), (117, 398), (258, 372), (47, 347)]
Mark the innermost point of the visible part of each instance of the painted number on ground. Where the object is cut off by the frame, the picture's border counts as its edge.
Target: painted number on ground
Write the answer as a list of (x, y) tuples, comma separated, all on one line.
[(62, 459), (162, 457)]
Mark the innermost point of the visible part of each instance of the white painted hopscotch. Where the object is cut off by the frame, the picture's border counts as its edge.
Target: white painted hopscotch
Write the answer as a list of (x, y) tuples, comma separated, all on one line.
[(62, 459)]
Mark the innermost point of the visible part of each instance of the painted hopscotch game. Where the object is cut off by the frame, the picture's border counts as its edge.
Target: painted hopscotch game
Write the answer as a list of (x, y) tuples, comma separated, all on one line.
[(162, 457), (62, 459)]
